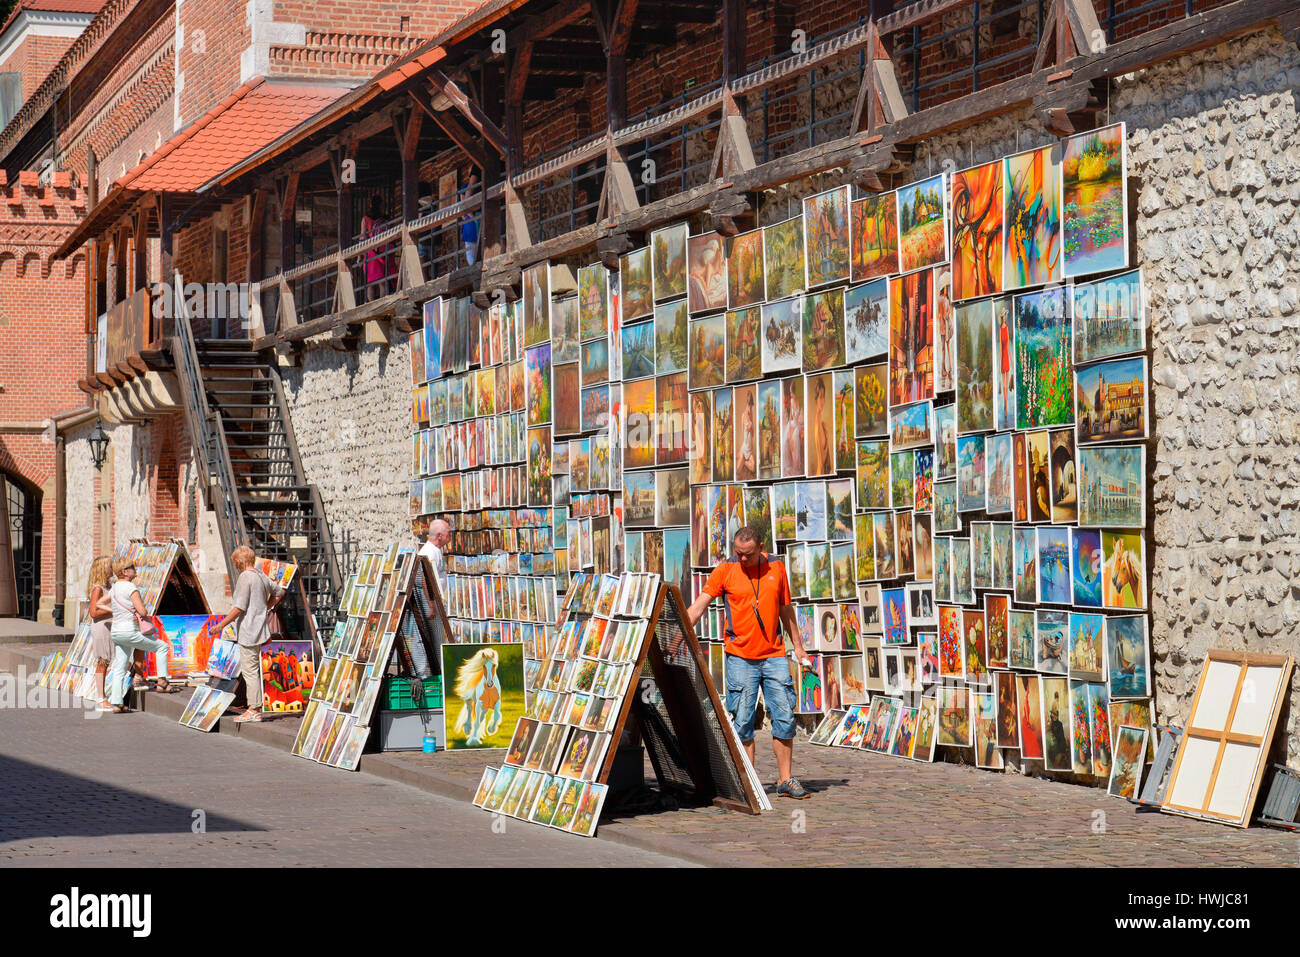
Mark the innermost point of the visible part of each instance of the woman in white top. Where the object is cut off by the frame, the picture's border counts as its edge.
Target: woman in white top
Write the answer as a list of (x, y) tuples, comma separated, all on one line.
[(101, 616), (128, 608)]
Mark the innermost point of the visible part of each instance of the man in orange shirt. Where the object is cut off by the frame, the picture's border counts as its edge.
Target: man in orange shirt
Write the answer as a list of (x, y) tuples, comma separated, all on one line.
[(757, 593)]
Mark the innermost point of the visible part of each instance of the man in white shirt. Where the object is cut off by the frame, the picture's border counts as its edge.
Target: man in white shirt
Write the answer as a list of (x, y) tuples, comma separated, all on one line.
[(438, 536)]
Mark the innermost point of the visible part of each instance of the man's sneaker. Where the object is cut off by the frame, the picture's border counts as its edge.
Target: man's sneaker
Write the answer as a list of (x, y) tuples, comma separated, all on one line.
[(791, 788)]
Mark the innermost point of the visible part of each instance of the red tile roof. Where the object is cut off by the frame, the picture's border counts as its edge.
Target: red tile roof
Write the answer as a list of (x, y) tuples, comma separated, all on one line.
[(241, 124), (53, 6)]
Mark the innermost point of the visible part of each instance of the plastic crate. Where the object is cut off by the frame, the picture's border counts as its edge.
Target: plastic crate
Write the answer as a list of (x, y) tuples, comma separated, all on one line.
[(395, 695)]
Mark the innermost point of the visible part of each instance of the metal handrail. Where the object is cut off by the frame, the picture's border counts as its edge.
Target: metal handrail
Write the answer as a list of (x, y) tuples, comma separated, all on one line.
[(205, 425)]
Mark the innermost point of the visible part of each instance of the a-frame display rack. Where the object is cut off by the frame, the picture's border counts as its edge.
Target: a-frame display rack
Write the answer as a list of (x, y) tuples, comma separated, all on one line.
[(391, 613), (169, 585), (667, 698), (681, 718)]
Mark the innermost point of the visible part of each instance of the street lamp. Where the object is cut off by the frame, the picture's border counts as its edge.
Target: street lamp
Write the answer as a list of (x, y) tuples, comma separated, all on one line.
[(98, 445)]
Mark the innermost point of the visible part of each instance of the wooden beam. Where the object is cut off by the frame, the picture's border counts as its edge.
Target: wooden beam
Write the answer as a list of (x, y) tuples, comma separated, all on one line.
[(470, 110), (451, 126)]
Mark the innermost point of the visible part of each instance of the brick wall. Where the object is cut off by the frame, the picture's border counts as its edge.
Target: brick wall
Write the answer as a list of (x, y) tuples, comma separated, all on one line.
[(34, 57)]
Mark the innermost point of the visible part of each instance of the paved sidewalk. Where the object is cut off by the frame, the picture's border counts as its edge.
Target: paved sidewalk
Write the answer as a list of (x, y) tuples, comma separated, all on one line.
[(867, 809), (136, 791)]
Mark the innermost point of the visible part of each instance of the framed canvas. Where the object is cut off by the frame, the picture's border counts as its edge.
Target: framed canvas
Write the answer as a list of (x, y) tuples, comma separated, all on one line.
[(870, 386), (875, 236), (537, 304), (636, 295), (1030, 715), (1128, 656), (911, 338), (783, 258), (593, 301), (1057, 723), (744, 359), (954, 717), (707, 351), (746, 284), (1123, 583), (819, 404), (1094, 201), (638, 344), (1085, 566), (769, 430), (1086, 647), (1108, 317), (668, 262), (1112, 486), (1126, 764), (925, 737), (975, 367), (866, 321), (706, 283), (823, 330), (922, 224), (1033, 217), (1004, 362), (1111, 400), (827, 237), (1044, 371), (781, 343), (999, 474), (977, 231)]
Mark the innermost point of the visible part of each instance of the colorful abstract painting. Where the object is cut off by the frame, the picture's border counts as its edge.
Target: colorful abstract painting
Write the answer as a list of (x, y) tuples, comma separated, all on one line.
[(977, 231), (1033, 218), (911, 338)]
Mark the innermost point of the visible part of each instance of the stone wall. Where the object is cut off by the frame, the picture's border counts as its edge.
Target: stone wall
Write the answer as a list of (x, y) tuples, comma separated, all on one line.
[(352, 419)]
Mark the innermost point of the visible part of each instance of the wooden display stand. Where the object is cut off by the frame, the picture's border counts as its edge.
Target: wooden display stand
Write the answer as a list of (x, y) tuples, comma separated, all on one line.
[(681, 718)]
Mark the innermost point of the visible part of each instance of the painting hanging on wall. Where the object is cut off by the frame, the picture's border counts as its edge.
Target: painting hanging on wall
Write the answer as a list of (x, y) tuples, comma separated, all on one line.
[(1111, 400), (1033, 218), (566, 330), (538, 380), (781, 341), (871, 388), (1112, 483), (911, 338), (537, 303), (593, 300), (1044, 370), (823, 330), (1094, 205), (707, 273), (672, 420), (1108, 317), (826, 237), (635, 284), (638, 350), (922, 229), (783, 258), (746, 285), (670, 337), (875, 236), (769, 430), (866, 321), (975, 367), (744, 361), (668, 262), (707, 351), (1004, 362), (977, 231)]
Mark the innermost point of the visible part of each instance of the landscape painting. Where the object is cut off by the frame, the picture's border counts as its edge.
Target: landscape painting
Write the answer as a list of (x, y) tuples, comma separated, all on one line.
[(1112, 480), (783, 258), (875, 236), (1094, 207), (781, 343), (745, 282), (975, 367), (1044, 370), (923, 236), (1108, 317), (668, 262), (866, 321), (637, 296), (826, 236)]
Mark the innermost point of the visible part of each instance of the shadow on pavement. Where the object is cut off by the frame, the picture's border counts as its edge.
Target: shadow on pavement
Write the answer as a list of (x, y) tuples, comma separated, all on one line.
[(37, 801)]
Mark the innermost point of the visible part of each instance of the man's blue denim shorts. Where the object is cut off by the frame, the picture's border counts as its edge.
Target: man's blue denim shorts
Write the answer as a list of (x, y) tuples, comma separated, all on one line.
[(744, 676)]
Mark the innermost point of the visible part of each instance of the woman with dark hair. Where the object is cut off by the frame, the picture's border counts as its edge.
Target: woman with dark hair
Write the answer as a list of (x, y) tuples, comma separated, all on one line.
[(376, 260)]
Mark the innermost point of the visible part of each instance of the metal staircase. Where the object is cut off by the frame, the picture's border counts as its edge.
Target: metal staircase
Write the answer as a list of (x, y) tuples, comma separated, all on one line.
[(236, 411)]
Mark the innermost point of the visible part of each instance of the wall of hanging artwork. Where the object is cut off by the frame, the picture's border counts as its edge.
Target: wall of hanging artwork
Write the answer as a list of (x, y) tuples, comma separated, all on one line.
[(932, 401)]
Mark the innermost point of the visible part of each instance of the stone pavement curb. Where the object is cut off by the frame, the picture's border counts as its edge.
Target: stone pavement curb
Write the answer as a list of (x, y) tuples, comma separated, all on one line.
[(276, 734)]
